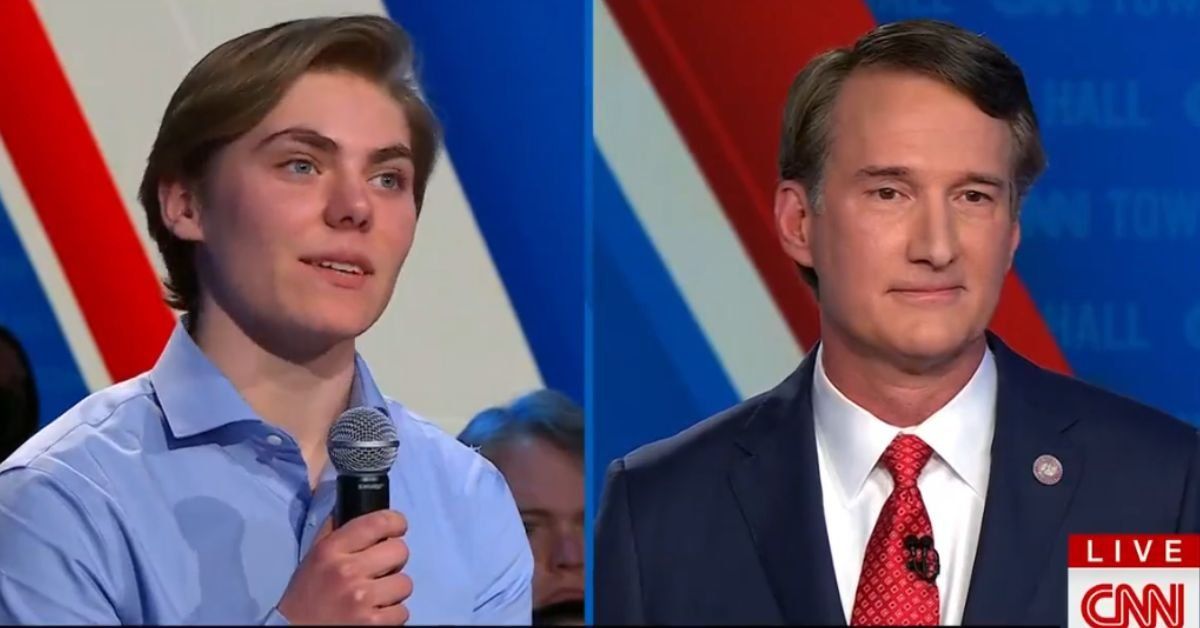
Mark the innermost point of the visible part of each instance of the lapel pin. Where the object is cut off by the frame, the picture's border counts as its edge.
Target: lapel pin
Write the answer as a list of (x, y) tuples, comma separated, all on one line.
[(1047, 469)]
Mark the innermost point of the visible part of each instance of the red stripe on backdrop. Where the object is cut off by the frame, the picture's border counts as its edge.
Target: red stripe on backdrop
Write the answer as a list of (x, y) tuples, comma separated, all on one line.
[(723, 74), (65, 176), (1019, 323)]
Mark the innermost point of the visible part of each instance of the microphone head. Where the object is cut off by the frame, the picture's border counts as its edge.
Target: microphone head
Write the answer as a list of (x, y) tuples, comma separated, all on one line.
[(362, 441)]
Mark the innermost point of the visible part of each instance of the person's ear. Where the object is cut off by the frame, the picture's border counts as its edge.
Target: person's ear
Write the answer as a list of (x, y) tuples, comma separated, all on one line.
[(794, 221), (179, 207)]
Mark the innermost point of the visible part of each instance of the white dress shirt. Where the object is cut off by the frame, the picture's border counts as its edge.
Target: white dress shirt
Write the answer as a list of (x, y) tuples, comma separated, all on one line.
[(953, 484)]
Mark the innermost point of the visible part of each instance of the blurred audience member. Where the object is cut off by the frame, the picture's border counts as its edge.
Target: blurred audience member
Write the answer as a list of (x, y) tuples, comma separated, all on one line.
[(18, 395), (537, 443)]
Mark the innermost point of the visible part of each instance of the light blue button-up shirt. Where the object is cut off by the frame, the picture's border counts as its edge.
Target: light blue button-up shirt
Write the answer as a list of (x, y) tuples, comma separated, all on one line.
[(166, 500)]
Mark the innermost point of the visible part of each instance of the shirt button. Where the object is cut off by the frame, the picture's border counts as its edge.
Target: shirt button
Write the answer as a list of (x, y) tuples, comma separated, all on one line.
[(274, 440)]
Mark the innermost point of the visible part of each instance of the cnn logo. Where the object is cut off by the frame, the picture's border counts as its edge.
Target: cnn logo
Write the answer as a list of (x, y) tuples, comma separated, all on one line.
[(1139, 580), (1109, 605)]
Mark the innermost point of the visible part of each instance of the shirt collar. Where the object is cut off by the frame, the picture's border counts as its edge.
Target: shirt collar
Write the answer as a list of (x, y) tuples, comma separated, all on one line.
[(196, 397), (960, 433)]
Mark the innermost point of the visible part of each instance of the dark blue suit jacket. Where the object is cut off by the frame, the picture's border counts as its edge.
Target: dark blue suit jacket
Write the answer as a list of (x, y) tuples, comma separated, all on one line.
[(723, 523)]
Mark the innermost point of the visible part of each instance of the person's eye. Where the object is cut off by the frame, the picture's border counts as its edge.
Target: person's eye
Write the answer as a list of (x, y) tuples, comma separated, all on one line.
[(390, 180), (302, 167), (887, 194), (975, 197)]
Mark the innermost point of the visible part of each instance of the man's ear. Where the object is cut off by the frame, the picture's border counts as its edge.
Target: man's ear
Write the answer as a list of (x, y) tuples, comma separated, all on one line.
[(794, 221), (179, 206)]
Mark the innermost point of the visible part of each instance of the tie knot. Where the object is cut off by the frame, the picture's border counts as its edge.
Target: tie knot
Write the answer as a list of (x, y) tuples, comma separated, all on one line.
[(905, 458)]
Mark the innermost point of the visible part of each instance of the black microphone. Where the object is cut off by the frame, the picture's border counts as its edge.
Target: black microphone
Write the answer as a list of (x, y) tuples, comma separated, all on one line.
[(923, 559), (362, 445)]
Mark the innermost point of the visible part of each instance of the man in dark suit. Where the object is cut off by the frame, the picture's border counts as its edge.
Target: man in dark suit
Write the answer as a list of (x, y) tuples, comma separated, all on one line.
[(855, 491)]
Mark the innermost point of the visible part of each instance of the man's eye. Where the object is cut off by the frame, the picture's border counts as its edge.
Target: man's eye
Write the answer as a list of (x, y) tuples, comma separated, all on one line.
[(887, 194), (975, 196), (300, 166), (389, 180)]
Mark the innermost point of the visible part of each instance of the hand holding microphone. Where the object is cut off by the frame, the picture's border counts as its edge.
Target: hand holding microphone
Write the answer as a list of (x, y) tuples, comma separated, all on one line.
[(352, 574)]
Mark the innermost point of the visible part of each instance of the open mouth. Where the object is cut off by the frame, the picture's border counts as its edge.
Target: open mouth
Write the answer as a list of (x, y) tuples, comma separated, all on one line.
[(347, 264), (341, 267)]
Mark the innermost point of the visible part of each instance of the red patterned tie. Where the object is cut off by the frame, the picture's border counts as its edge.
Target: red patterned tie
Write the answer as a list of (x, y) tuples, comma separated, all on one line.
[(888, 592)]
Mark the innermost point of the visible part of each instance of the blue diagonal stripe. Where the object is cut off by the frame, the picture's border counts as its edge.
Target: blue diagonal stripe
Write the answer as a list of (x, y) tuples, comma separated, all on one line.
[(655, 371), (25, 311), (508, 81)]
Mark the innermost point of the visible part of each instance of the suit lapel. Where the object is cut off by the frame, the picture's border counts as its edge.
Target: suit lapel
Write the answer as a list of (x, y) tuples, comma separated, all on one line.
[(1022, 517), (778, 488)]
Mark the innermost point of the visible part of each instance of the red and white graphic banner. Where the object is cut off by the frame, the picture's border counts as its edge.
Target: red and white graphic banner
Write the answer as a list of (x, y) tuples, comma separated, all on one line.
[(1131, 580)]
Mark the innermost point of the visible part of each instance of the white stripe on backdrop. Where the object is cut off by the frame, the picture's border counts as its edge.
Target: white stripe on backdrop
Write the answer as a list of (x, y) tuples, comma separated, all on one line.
[(684, 220)]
